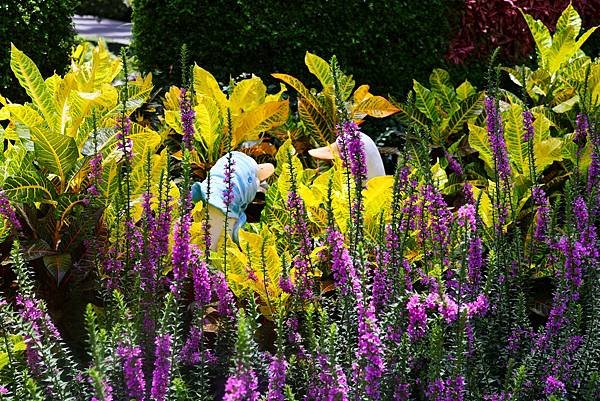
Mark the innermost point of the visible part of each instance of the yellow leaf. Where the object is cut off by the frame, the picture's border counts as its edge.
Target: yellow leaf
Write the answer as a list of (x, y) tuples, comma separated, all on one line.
[(319, 68), (374, 106), (266, 116), (206, 84), (246, 95)]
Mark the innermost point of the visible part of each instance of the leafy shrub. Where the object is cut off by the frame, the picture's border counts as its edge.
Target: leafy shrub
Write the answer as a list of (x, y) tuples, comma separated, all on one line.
[(230, 38), (44, 28), (487, 25)]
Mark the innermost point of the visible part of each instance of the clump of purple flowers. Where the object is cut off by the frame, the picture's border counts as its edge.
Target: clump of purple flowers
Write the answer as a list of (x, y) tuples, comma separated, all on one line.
[(162, 368), (131, 357), (495, 131), (8, 212), (187, 119), (242, 386)]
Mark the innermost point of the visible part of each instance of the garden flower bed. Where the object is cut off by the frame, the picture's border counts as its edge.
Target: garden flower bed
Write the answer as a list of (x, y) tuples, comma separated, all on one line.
[(234, 245)]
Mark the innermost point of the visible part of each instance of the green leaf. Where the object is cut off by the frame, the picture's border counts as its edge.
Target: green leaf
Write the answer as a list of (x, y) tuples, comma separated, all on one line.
[(28, 188), (469, 110), (566, 105), (58, 265), (58, 153), (425, 101), (443, 90), (465, 90), (569, 20), (541, 36), (31, 80)]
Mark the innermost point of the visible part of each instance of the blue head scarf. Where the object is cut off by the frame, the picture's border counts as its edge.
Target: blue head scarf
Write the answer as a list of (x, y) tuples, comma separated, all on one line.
[(244, 183)]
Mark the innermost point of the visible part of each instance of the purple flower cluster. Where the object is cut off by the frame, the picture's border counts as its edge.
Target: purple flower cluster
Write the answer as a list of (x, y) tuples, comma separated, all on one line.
[(228, 194), (304, 281), (200, 278), (158, 227), (190, 354), (434, 222), (187, 119), (330, 384), (582, 127), (553, 386), (277, 377), (453, 164), (466, 217), (528, 128), (341, 263), (242, 386), (447, 390), (124, 142), (352, 150), (182, 252), (162, 368), (496, 137), (131, 357), (370, 365), (8, 212), (417, 317), (95, 175), (225, 300)]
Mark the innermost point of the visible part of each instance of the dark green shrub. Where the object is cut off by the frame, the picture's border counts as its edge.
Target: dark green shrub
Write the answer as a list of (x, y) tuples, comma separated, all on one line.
[(114, 9), (384, 44), (43, 28)]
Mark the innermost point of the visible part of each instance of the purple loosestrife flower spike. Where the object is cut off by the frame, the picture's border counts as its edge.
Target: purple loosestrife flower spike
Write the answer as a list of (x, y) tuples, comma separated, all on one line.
[(496, 137), (528, 128), (453, 164), (8, 212), (187, 119), (162, 368), (182, 254), (304, 282), (95, 175), (124, 142), (417, 317), (242, 386), (341, 263), (330, 383), (200, 278), (225, 300), (582, 127), (131, 357), (277, 377), (553, 386), (370, 355)]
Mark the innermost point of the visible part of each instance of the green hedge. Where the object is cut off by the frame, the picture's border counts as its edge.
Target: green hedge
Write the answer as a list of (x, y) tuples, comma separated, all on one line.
[(40, 28), (114, 9), (385, 44)]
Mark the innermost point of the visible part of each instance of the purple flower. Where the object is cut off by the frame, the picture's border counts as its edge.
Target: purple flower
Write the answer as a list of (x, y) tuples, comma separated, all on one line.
[(95, 174), (162, 368), (341, 263), (330, 383), (299, 229), (475, 261), (553, 386), (241, 386), (582, 127), (417, 317), (182, 253), (528, 126), (228, 194), (453, 164), (8, 212), (449, 309), (190, 354), (200, 278), (277, 377), (131, 357), (187, 119), (446, 390), (496, 137), (286, 285), (466, 217), (370, 359), (225, 300), (124, 143), (352, 150)]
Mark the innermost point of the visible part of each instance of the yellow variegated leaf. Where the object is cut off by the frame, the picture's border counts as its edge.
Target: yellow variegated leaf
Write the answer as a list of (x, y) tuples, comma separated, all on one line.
[(206, 84), (266, 116), (276, 96), (319, 68), (171, 101), (247, 94), (315, 122), (26, 115), (547, 152), (31, 80), (484, 206), (478, 140), (374, 106), (208, 125)]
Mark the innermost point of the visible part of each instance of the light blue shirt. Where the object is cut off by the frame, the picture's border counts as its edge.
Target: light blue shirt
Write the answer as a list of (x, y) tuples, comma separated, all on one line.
[(245, 184)]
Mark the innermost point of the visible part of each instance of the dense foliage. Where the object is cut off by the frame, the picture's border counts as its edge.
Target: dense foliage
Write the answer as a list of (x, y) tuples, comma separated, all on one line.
[(44, 28), (114, 9), (419, 285), (265, 36)]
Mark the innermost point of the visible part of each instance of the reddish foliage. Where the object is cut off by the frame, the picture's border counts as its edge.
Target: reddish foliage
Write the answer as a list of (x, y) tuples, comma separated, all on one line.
[(487, 24)]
